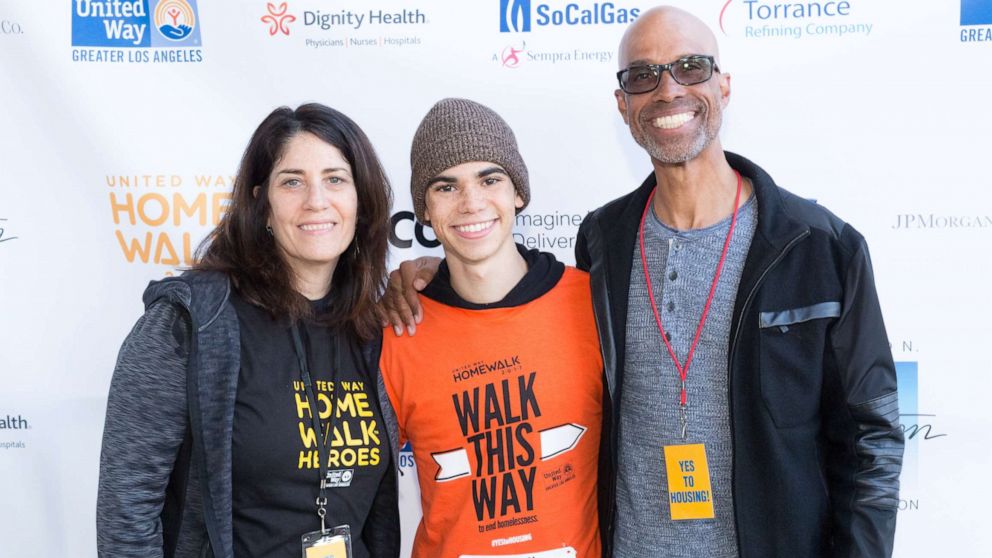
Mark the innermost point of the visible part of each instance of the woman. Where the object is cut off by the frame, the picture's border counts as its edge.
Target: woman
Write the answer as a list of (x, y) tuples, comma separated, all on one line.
[(210, 445)]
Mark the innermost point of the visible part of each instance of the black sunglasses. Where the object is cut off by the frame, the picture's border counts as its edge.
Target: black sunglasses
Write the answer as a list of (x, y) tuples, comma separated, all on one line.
[(688, 70)]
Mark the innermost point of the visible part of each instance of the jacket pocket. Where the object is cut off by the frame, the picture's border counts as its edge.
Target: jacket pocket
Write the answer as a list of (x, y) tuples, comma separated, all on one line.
[(792, 361)]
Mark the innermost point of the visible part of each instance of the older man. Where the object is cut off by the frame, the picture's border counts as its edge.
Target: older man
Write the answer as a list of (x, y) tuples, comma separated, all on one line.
[(751, 404)]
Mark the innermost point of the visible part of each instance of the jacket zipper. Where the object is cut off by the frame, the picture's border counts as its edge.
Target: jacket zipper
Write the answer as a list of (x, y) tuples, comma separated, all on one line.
[(730, 367)]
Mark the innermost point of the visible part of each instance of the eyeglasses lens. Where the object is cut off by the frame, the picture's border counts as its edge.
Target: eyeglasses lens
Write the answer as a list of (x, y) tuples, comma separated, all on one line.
[(691, 71)]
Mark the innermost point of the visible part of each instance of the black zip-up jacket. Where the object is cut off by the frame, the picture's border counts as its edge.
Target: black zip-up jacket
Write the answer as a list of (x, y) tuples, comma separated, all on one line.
[(813, 402)]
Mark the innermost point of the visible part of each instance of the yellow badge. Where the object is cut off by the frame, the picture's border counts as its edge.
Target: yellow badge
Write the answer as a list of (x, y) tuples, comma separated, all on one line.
[(330, 549), (689, 493)]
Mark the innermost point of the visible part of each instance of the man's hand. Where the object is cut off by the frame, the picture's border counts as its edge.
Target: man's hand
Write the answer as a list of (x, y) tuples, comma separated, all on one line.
[(400, 304)]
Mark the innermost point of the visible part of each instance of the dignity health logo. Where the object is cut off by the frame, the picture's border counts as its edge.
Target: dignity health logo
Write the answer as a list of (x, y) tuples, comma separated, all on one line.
[(976, 21), (135, 31), (278, 18), (518, 16), (763, 19)]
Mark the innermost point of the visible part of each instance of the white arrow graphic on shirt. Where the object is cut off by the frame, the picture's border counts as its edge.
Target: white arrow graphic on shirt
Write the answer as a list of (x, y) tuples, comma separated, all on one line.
[(555, 441), (560, 439), (452, 465)]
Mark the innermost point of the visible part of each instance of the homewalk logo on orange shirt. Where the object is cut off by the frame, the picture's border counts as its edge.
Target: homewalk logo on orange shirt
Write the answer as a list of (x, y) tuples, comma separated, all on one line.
[(504, 423)]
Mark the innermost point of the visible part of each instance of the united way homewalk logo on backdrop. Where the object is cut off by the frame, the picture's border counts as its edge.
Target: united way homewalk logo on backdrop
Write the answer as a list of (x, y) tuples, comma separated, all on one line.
[(135, 31), (976, 21), (518, 16)]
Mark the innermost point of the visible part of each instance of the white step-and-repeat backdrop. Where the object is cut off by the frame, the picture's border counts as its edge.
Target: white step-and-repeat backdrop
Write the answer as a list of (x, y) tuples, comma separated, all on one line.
[(123, 122)]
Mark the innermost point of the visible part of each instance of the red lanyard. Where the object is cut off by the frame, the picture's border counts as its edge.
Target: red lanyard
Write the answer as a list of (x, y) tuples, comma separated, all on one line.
[(683, 369)]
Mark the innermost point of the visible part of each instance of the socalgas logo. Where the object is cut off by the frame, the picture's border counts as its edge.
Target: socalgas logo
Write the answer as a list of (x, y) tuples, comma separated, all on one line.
[(135, 31), (521, 16), (976, 21), (768, 19)]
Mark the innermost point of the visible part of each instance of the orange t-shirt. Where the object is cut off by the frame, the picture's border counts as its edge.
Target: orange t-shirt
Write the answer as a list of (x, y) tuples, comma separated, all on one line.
[(503, 408)]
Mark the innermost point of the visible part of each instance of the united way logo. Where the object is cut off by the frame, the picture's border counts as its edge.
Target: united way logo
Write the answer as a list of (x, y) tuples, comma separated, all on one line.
[(514, 16), (135, 24), (976, 12), (175, 19), (976, 21), (278, 18)]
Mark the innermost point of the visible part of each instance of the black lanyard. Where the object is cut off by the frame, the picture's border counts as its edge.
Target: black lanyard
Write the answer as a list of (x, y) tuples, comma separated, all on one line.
[(323, 454)]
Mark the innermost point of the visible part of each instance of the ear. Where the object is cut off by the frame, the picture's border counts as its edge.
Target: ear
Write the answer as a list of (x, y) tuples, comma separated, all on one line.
[(622, 104), (255, 191), (518, 201), (725, 89)]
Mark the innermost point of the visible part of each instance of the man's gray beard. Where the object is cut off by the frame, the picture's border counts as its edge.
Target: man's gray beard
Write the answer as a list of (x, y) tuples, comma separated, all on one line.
[(681, 152)]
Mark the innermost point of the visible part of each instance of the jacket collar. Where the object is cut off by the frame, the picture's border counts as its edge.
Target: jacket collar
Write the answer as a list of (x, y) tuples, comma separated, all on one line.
[(776, 228), (213, 291), (619, 222)]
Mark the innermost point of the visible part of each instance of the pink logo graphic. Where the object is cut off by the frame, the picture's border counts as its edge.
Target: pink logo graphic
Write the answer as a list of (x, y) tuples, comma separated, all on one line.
[(509, 57), (723, 11), (278, 19)]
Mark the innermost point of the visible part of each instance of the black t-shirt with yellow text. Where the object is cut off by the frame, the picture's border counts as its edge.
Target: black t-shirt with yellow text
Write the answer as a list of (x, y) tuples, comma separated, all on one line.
[(275, 452)]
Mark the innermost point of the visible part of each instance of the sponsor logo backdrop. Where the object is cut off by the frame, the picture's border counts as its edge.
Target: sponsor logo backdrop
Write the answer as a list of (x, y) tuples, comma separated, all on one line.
[(124, 123)]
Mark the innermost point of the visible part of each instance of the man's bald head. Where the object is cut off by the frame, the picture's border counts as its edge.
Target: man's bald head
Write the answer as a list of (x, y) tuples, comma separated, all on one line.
[(666, 28), (674, 123)]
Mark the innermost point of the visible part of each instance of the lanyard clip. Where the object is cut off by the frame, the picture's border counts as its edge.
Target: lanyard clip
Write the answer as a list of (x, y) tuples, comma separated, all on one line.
[(683, 415), (322, 512)]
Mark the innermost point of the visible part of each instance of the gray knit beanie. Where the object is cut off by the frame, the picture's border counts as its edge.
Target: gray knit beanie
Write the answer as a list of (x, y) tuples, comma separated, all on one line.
[(457, 131)]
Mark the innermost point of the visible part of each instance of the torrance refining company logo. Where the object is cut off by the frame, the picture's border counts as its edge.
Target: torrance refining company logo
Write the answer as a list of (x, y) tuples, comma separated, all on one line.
[(768, 19), (136, 31), (278, 19), (520, 16), (976, 21)]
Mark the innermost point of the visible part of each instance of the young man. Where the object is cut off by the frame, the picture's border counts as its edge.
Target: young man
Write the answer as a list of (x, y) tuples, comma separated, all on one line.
[(501, 396)]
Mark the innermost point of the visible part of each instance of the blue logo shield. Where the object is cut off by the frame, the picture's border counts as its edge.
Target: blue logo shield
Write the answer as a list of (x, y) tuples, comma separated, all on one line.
[(976, 12), (514, 16)]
